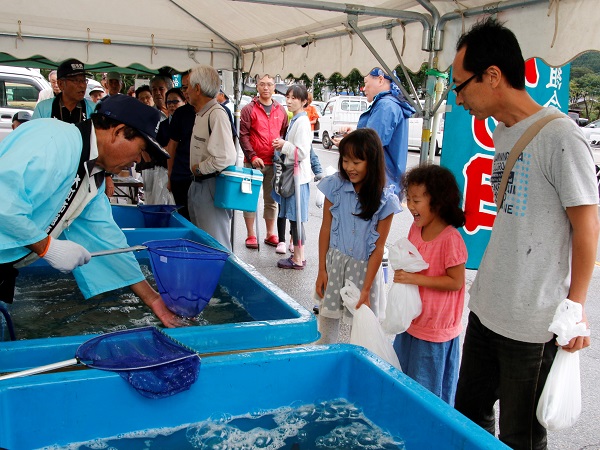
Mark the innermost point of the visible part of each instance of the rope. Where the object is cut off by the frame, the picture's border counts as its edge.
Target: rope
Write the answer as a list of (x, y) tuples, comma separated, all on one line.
[(153, 49), (403, 37), (349, 31), (282, 49), (551, 4), (460, 9), (87, 46), (19, 36)]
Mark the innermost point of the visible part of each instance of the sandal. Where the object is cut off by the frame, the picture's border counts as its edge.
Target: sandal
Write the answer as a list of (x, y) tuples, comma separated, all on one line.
[(272, 240), (252, 242), (288, 263)]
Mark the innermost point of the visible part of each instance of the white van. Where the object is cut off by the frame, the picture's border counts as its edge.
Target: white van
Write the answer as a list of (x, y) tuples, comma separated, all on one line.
[(340, 113), (19, 90), (415, 131)]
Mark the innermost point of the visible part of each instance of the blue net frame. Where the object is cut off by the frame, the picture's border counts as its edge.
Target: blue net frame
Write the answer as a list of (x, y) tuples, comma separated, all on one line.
[(152, 362)]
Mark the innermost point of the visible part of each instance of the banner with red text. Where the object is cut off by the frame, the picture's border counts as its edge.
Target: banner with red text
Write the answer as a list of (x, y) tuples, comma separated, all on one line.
[(468, 151)]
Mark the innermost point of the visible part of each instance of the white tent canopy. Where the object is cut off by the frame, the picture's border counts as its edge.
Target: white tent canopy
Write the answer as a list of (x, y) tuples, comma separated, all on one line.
[(280, 36)]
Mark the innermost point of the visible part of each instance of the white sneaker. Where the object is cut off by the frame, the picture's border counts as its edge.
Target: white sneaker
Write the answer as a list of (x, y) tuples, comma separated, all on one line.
[(280, 248)]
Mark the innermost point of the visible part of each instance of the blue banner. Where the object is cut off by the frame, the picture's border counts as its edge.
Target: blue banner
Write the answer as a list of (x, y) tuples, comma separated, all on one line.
[(468, 151)]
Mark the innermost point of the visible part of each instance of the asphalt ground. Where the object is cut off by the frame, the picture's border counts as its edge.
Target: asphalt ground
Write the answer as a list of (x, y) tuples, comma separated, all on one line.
[(299, 284)]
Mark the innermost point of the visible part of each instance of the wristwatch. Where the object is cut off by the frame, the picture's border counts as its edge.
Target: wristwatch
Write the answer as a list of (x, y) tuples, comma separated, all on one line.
[(197, 171)]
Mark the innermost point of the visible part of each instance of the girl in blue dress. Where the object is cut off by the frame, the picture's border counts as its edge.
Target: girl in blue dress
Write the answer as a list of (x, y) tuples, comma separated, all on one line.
[(357, 216)]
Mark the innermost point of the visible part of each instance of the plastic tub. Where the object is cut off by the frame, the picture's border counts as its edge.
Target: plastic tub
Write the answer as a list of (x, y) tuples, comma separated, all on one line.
[(157, 216), (91, 404)]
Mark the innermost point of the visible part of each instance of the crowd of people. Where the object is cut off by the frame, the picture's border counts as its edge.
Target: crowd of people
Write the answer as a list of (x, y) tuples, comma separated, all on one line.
[(181, 138)]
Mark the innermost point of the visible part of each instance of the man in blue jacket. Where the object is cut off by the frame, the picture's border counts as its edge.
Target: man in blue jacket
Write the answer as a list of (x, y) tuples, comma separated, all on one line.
[(388, 115), (52, 179)]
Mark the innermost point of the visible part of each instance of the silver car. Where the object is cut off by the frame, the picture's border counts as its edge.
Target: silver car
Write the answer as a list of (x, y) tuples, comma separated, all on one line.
[(19, 90)]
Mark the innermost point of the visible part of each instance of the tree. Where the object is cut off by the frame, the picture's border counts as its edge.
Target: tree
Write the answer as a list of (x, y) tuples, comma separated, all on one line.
[(318, 85), (336, 83), (354, 81)]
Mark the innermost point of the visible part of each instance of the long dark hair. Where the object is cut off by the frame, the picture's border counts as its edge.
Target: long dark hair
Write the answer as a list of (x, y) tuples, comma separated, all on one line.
[(441, 186), (365, 145)]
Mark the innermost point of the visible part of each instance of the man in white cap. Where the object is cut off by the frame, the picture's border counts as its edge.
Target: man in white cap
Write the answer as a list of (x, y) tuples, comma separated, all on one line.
[(54, 173), (20, 118), (97, 93)]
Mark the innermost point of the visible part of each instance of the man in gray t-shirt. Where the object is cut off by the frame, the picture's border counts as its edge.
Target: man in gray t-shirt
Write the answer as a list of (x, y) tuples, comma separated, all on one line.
[(543, 244)]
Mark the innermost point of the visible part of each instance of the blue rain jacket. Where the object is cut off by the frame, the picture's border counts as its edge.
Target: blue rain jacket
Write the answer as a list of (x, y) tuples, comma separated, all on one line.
[(388, 116), (38, 162)]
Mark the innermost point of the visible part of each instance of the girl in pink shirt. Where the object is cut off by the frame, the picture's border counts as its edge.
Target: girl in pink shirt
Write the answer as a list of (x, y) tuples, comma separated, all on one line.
[(429, 350)]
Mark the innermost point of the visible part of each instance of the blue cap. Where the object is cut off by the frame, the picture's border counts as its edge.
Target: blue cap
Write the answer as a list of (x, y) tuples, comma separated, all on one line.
[(131, 112), (377, 72)]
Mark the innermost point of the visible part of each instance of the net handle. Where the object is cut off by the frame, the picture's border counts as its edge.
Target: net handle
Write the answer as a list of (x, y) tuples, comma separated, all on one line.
[(41, 369), (135, 248)]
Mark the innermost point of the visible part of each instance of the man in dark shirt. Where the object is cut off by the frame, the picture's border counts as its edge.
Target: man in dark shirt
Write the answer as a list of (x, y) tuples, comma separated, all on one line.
[(182, 124), (70, 105)]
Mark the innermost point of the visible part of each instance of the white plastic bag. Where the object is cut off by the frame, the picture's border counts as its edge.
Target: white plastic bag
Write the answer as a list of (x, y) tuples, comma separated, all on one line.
[(366, 330), (155, 187), (320, 197), (403, 300), (560, 403)]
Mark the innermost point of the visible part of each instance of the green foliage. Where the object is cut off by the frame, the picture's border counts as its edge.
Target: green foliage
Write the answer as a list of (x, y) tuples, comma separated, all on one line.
[(589, 60), (354, 82), (585, 83), (318, 85)]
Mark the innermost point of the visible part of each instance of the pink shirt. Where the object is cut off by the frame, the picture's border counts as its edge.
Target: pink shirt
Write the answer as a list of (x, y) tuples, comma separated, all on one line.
[(440, 320)]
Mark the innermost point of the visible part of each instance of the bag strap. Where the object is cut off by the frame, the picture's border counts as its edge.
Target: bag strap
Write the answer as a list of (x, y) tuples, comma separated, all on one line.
[(516, 151)]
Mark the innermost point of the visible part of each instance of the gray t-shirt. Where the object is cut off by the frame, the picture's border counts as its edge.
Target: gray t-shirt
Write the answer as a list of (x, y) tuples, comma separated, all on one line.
[(525, 271)]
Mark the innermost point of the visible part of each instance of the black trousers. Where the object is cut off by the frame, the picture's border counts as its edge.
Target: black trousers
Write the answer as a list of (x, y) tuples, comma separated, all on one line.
[(180, 189)]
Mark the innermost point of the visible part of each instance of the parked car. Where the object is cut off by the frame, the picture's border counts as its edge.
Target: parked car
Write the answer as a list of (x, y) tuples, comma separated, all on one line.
[(19, 90), (319, 105), (592, 132), (340, 113), (415, 131)]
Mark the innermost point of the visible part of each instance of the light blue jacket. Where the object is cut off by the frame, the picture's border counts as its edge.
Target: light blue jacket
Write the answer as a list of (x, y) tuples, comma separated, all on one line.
[(388, 116), (44, 109), (38, 163)]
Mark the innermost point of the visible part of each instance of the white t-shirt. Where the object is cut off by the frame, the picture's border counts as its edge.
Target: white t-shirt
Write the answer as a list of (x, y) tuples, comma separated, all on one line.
[(525, 271)]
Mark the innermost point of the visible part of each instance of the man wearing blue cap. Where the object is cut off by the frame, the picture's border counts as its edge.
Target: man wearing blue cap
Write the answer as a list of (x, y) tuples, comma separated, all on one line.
[(388, 115), (52, 176)]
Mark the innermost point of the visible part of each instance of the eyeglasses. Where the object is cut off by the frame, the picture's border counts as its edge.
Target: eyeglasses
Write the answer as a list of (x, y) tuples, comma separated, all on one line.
[(173, 102), (266, 84), (77, 80), (463, 85)]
